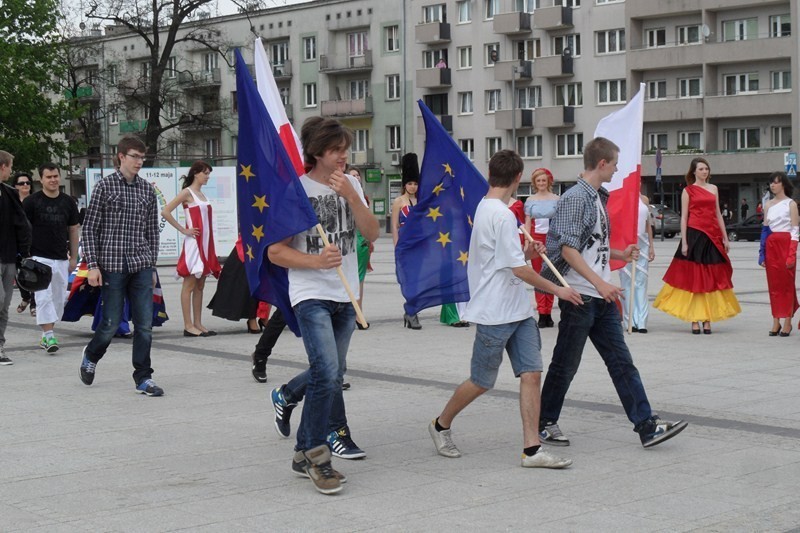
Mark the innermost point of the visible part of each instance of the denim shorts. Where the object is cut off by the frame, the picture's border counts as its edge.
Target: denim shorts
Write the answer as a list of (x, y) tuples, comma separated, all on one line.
[(521, 340)]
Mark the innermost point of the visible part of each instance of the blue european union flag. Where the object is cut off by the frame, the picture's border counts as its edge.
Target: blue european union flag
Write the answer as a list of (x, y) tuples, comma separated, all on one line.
[(272, 203), (433, 246)]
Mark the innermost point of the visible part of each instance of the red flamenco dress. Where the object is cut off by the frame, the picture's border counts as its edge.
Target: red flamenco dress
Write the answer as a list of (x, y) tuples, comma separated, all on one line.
[(698, 287), (198, 257)]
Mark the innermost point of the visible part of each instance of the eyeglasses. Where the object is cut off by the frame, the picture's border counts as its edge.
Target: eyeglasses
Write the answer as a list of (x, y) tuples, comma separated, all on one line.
[(136, 157), (23, 183)]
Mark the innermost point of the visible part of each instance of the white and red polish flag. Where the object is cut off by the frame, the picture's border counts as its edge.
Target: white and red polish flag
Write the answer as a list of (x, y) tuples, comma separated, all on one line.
[(268, 90), (624, 128)]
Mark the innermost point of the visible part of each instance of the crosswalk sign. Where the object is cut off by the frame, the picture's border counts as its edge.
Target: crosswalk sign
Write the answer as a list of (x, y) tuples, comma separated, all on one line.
[(790, 163)]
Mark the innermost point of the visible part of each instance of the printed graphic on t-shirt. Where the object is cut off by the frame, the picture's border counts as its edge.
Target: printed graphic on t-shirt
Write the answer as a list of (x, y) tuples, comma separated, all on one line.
[(337, 221)]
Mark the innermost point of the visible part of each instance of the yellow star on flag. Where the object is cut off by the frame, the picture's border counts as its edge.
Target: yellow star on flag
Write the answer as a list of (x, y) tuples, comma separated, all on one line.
[(433, 212), (258, 232), (250, 252), (462, 194), (448, 170), (444, 238), (469, 220), (439, 188), (247, 172), (463, 257), (260, 203)]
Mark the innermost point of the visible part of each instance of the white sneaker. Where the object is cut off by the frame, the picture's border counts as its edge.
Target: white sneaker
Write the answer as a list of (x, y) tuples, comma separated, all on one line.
[(443, 441), (543, 459)]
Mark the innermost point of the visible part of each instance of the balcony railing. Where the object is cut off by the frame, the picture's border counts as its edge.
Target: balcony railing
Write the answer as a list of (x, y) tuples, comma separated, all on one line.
[(553, 18), (332, 64), (347, 108), (132, 126), (514, 23), (433, 78), (201, 79), (432, 33)]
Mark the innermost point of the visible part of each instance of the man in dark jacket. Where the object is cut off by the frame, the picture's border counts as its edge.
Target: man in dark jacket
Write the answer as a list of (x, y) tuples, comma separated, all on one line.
[(15, 241)]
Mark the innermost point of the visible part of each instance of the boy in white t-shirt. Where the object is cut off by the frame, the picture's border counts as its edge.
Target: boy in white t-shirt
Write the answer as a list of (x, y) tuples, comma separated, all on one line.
[(501, 308)]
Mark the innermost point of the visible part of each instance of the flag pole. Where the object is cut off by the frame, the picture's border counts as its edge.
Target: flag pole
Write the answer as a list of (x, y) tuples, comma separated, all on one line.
[(359, 314), (630, 300), (546, 259)]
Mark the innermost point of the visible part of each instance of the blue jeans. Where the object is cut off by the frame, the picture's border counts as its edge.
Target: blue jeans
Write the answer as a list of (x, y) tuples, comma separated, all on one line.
[(599, 321), (138, 287), (326, 328)]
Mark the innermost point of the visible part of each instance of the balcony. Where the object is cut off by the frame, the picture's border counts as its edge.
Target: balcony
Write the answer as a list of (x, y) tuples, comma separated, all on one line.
[(204, 79), (283, 72), (432, 33), (742, 162), (347, 108), (523, 119), (756, 50), (665, 57), (515, 23), (504, 70), (201, 122), (555, 117), (433, 78), (331, 64), (133, 86), (83, 94), (635, 9), (760, 104), (673, 109), (132, 126), (446, 120), (553, 18), (362, 158), (554, 67)]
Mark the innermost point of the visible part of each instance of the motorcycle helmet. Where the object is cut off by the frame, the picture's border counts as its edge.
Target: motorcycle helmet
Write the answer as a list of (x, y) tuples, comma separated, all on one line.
[(33, 276)]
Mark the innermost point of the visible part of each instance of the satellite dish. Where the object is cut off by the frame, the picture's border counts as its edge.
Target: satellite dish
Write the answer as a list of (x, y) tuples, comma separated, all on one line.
[(567, 52), (705, 30), (82, 25)]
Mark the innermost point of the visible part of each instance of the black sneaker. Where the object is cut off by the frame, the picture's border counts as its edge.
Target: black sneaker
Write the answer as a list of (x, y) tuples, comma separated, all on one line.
[(5, 361), (342, 445), (283, 413), (87, 370), (299, 465), (259, 369), (149, 388), (657, 431)]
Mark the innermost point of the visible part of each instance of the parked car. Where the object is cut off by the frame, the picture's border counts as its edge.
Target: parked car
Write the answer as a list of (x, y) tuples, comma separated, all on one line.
[(672, 220), (749, 230)]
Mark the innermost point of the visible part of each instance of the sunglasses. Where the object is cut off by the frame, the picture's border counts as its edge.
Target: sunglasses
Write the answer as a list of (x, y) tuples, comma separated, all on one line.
[(23, 183)]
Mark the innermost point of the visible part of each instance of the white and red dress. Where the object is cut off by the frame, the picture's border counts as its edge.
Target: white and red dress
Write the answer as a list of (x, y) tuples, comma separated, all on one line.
[(198, 257)]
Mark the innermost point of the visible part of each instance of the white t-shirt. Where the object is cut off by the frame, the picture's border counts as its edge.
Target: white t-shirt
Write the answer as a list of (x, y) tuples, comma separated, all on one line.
[(596, 254), (497, 296), (339, 224)]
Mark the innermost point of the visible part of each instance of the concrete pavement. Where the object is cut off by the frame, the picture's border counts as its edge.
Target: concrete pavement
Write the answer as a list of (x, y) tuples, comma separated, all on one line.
[(205, 457)]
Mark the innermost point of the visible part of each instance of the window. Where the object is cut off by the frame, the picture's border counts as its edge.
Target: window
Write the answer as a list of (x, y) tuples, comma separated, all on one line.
[(690, 88), (530, 146), (781, 80), (172, 108), (392, 34), (488, 49), (359, 89), (611, 92), (210, 61), (741, 83), (781, 136), (464, 11), (172, 67), (569, 144), (656, 140), (284, 93), (279, 53), (211, 147), (492, 100), (689, 34), (234, 145), (742, 138), (393, 138), (468, 147), (393, 87), (655, 37), (91, 77), (526, 6), (465, 106), (145, 70), (234, 103), (493, 145), (431, 57), (464, 57), (780, 25), (569, 94), (690, 139), (309, 48), (112, 75), (601, 2), (310, 94), (740, 30), (568, 3), (529, 49), (113, 114), (656, 89), (610, 42), (529, 97), (492, 8), (437, 103), (357, 44), (172, 150), (573, 42), (434, 13), (360, 140)]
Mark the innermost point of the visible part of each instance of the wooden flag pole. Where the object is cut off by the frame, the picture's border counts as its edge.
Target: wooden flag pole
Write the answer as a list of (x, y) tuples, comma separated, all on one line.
[(353, 300), (546, 259)]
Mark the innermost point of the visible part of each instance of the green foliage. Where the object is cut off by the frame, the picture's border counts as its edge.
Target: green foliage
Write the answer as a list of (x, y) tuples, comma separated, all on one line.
[(30, 67)]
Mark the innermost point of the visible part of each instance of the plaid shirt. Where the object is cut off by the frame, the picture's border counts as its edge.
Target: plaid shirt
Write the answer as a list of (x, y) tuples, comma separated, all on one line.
[(121, 225), (573, 224)]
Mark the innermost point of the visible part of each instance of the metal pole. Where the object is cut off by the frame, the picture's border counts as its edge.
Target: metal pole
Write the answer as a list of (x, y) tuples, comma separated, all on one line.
[(513, 109)]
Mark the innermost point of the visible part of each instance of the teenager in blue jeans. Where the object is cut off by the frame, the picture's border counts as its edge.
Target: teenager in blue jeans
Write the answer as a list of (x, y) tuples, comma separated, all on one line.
[(579, 248), (320, 302)]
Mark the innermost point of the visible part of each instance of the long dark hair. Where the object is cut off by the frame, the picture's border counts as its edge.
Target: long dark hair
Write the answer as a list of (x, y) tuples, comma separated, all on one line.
[(690, 177), (197, 166), (788, 189)]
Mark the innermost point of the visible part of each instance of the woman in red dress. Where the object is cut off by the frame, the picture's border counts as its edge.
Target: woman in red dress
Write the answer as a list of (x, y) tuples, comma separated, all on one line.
[(697, 285)]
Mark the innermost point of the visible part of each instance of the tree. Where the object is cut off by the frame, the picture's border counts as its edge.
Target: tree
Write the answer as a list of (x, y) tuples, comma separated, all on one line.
[(162, 26), (31, 120)]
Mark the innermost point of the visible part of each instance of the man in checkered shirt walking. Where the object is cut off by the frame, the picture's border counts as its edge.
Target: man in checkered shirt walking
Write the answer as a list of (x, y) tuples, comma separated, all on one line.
[(120, 245)]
